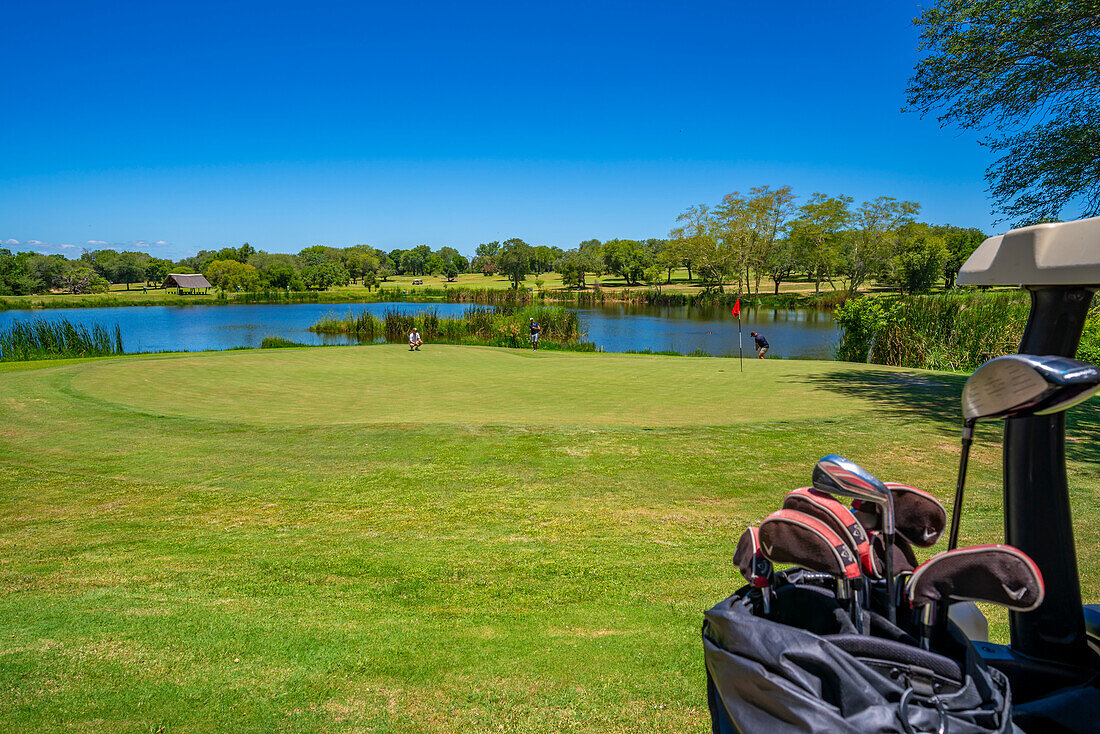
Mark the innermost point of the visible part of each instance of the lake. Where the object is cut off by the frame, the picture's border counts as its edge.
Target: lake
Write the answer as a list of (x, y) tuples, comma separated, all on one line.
[(792, 333)]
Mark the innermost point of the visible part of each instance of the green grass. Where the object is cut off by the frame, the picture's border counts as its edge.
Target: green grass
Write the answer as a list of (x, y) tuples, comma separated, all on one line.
[(462, 539)]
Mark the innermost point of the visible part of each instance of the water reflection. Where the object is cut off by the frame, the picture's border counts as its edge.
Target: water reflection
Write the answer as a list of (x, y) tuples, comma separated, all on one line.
[(615, 328)]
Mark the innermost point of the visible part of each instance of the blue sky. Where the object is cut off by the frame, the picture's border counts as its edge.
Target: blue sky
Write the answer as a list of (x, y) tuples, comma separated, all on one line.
[(174, 127)]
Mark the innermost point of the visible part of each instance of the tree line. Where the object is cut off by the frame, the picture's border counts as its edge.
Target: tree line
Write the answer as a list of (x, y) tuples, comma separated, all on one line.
[(743, 240)]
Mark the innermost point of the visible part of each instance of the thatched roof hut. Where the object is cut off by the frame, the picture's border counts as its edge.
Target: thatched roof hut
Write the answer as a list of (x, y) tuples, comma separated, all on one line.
[(190, 281)]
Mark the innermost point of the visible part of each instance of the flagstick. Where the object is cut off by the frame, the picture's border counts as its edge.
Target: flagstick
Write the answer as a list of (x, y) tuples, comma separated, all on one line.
[(740, 356)]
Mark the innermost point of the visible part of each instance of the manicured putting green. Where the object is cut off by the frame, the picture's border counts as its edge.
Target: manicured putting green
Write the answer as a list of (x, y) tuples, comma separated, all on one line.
[(469, 385)]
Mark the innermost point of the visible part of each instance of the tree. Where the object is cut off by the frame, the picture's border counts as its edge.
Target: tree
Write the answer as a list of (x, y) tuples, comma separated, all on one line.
[(817, 235), (867, 249), (749, 226), (129, 268), (358, 260), (961, 244), (370, 279), (14, 280), (319, 254), (450, 270), (156, 270), (514, 259), (918, 260), (231, 275), (81, 278), (1030, 72), (435, 264), (283, 277), (412, 263), (46, 272), (654, 274), (324, 276), (573, 269), (626, 259), (781, 262), (485, 255)]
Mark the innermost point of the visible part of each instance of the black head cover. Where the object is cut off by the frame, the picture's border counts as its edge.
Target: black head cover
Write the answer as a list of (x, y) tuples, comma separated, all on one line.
[(839, 518), (918, 516), (999, 574), (750, 559), (788, 536)]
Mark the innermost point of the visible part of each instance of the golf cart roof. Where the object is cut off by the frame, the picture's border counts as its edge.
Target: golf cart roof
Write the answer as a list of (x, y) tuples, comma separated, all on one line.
[(1067, 253)]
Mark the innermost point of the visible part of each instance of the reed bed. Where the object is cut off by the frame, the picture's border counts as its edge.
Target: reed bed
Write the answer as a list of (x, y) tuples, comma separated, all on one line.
[(954, 331), (59, 339), (507, 327)]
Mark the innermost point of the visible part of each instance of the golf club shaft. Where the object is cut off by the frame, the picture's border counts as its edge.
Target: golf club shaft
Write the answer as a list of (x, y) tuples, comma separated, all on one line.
[(891, 607), (956, 510)]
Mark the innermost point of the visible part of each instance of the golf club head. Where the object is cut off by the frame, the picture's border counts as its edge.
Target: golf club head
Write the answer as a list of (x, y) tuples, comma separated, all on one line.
[(750, 559), (840, 477), (789, 536), (840, 519), (919, 517), (998, 574), (1019, 385)]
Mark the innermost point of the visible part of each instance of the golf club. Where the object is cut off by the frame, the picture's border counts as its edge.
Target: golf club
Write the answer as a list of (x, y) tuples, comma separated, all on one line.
[(998, 574), (1015, 386), (789, 536), (838, 476), (756, 569), (840, 519)]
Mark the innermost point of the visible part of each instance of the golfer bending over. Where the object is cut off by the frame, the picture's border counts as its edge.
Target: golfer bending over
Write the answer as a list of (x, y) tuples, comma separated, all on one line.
[(761, 344), (535, 329), (414, 340)]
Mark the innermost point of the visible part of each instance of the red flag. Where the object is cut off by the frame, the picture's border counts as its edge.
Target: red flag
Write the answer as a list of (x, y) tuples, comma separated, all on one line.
[(736, 308)]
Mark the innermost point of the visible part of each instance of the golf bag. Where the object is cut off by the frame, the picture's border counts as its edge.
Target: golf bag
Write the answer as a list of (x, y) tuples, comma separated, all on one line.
[(803, 668)]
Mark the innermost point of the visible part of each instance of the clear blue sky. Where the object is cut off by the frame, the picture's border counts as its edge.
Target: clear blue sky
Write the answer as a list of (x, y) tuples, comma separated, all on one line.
[(187, 126)]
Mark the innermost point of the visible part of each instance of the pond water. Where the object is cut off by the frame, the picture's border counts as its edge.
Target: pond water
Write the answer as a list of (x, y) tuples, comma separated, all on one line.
[(615, 328)]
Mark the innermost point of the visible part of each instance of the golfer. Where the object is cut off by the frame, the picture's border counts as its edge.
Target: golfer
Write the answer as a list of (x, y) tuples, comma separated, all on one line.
[(761, 344), (535, 331), (414, 340)]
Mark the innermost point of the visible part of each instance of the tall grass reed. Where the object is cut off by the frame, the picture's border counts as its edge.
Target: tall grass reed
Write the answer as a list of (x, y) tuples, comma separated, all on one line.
[(953, 331), (58, 339)]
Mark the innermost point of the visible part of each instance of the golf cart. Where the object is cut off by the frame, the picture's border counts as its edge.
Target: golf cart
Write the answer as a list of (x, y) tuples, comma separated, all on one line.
[(840, 643), (1050, 657)]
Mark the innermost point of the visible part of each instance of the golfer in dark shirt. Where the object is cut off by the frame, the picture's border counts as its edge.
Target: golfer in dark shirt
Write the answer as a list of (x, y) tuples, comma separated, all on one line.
[(761, 344), (535, 331)]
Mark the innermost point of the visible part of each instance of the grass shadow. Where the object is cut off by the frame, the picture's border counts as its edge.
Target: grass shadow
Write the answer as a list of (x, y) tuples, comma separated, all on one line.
[(937, 398), (934, 397)]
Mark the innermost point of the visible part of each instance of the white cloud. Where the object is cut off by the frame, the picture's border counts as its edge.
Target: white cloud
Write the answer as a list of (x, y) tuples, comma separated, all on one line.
[(96, 243), (67, 247), (11, 242)]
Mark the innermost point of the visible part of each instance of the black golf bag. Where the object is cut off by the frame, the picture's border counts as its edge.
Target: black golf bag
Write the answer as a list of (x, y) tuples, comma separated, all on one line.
[(804, 668)]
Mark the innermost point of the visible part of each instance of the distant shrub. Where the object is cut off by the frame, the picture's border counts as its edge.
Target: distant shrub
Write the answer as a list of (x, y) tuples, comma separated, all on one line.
[(277, 342)]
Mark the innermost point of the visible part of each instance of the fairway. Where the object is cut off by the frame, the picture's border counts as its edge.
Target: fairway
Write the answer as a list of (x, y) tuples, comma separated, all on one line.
[(464, 539)]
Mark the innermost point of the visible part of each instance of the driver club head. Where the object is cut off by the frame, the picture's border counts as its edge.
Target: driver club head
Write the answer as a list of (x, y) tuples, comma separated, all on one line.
[(1019, 385)]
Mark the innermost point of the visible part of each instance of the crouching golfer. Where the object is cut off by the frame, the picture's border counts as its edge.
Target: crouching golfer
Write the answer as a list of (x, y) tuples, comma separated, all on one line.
[(535, 330), (414, 340), (761, 344)]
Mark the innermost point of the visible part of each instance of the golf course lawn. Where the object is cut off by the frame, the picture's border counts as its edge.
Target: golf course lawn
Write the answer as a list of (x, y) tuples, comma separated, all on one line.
[(462, 539)]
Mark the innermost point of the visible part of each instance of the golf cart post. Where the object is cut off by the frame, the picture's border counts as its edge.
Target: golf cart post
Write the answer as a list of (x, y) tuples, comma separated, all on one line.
[(1059, 265)]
